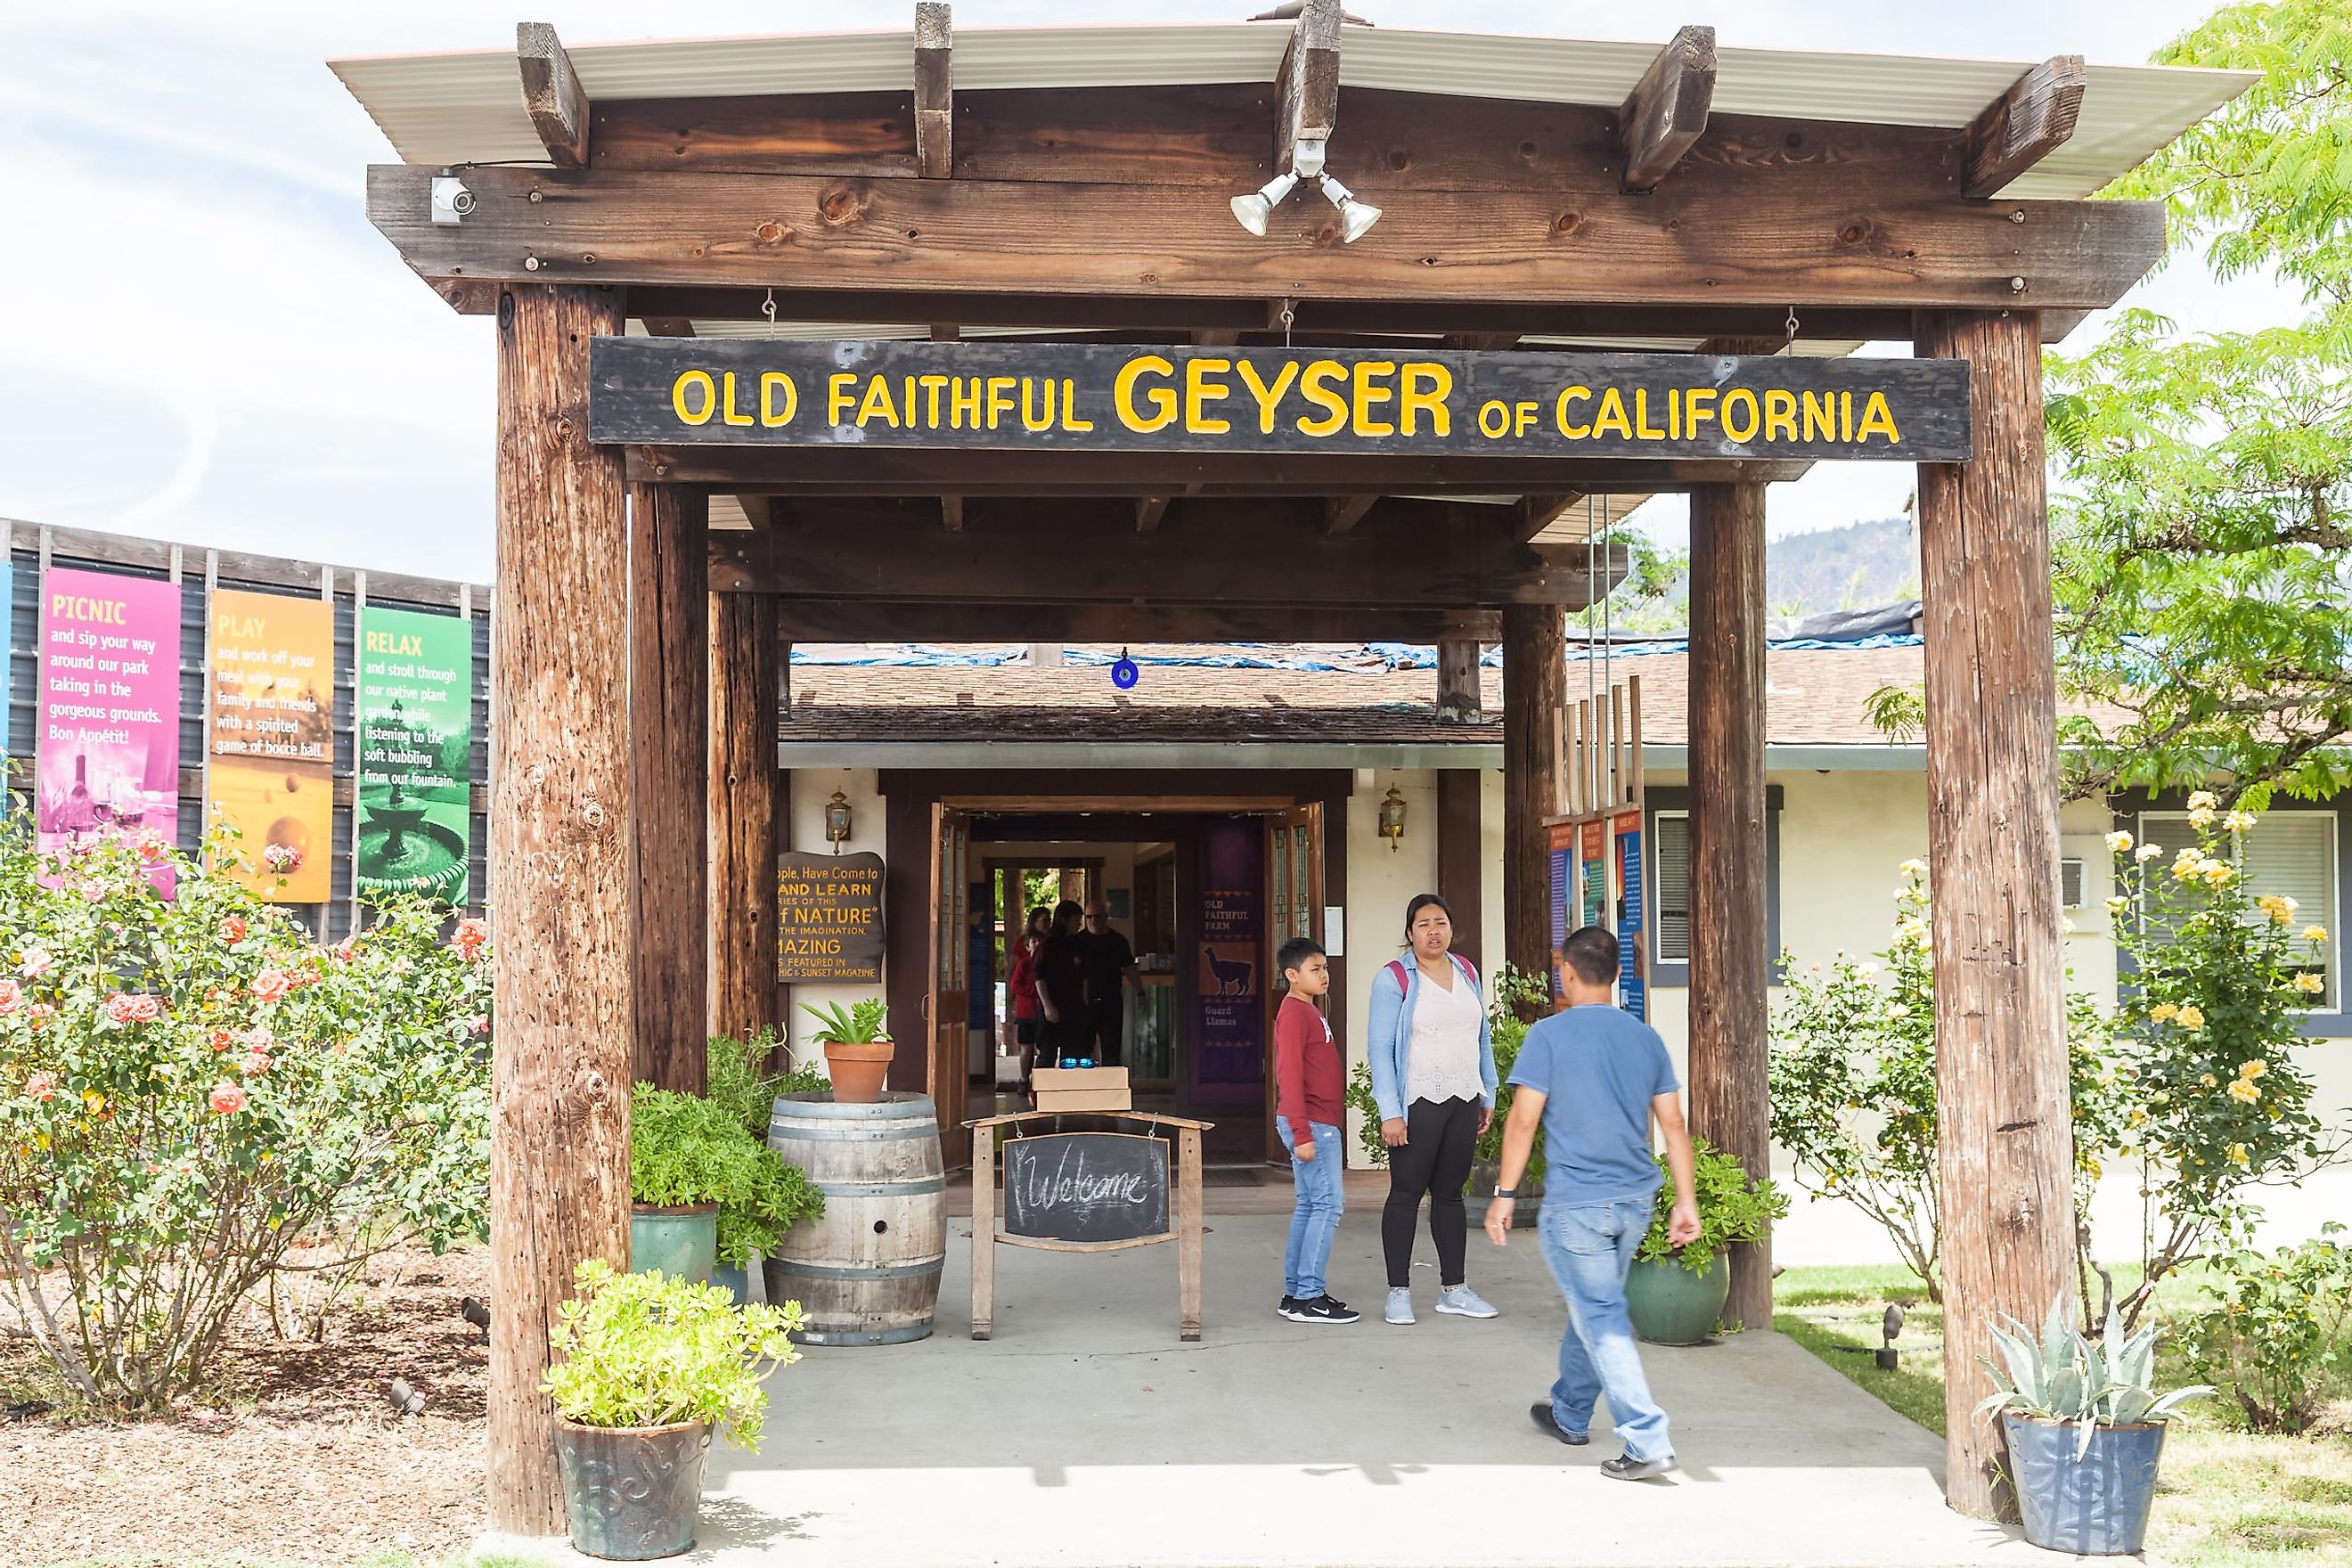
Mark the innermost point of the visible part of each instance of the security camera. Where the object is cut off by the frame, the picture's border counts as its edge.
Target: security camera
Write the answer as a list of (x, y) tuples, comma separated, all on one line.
[(451, 200)]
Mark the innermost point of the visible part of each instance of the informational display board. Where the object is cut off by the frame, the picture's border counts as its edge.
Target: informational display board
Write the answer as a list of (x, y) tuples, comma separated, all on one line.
[(829, 918), (1086, 1187), (272, 778), (1562, 855), (885, 394), (416, 750), (1228, 965), (1632, 970), (106, 747)]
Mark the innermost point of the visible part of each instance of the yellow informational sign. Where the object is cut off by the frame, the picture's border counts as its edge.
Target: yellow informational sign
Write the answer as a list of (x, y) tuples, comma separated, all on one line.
[(272, 752)]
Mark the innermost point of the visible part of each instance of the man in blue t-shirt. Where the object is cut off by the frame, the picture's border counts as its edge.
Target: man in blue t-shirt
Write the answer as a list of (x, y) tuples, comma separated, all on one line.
[(1595, 1078)]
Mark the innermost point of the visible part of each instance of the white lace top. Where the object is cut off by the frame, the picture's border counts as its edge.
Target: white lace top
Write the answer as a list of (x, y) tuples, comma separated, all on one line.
[(1442, 1057)]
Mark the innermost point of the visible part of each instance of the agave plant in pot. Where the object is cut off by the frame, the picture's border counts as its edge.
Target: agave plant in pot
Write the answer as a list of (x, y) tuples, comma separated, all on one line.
[(1675, 1295), (688, 1157), (857, 1049), (645, 1365), (2085, 1430)]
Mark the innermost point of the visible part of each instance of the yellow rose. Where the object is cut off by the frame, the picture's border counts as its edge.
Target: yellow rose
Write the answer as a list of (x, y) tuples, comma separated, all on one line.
[(2310, 983), (2203, 800), (2209, 1080), (1913, 867), (2218, 872), (2148, 851), (2254, 1067), (2243, 1090), (2239, 821), (2202, 817), (2314, 933), (2119, 841), (2191, 1018), (2237, 1154), (2163, 1012)]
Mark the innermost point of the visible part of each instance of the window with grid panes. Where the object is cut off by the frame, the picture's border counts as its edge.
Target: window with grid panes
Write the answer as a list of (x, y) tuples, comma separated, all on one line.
[(2288, 853), (1670, 885)]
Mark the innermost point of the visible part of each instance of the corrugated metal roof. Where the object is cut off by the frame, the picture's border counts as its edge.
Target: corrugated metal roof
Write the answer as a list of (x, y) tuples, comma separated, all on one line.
[(467, 107)]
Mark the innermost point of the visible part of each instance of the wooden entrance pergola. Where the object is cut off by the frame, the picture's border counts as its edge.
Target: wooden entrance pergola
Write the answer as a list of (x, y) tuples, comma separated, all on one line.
[(1539, 197)]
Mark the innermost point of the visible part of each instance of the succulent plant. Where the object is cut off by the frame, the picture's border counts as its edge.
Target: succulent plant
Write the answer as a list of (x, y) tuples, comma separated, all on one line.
[(2069, 1377)]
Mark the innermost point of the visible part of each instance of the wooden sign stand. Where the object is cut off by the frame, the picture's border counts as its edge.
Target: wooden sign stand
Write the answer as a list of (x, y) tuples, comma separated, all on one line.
[(1183, 1219)]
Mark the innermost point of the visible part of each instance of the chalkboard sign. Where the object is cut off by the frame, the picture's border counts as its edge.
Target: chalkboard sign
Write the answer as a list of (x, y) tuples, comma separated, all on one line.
[(829, 918), (1086, 1187)]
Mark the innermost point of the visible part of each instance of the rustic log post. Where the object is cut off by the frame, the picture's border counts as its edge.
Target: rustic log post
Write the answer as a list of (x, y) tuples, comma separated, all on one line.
[(1461, 858), (744, 654), (2005, 1134), (1730, 1094), (1535, 684), (1459, 700), (561, 827), (669, 697)]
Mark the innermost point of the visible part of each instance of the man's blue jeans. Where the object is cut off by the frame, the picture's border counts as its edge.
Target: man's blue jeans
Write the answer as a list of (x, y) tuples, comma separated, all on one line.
[(1316, 1219), (1589, 1250)]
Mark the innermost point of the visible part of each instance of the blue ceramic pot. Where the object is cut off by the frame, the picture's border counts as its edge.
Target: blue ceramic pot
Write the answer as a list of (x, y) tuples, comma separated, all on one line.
[(1672, 1306), (631, 1492), (683, 1243), (733, 1279), (2096, 1506)]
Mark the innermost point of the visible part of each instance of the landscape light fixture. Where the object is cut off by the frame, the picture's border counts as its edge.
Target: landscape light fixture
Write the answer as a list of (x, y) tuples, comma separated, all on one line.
[(836, 821), (1254, 211), (1392, 818)]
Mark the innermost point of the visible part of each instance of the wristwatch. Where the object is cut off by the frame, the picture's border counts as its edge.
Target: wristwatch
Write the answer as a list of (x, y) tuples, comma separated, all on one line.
[(1506, 1193)]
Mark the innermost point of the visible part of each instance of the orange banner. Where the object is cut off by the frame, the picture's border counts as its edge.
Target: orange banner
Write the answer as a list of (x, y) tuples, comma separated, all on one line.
[(272, 757)]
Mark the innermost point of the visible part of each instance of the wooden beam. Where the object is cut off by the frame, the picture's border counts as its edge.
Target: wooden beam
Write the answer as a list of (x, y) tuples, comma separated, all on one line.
[(669, 724), (1536, 513), (668, 326), (1667, 109), (1535, 687), (1729, 966), (2024, 125), (900, 620), (560, 821), (934, 91), (1491, 342), (1705, 246), (1149, 510), (1307, 89), (1462, 858), (1460, 699), (746, 676), (1341, 513), (951, 512), (1044, 553), (552, 94), (2004, 1141), (921, 471)]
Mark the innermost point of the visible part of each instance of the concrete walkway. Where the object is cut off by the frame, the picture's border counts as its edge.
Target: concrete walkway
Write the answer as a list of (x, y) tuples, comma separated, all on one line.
[(1084, 1436)]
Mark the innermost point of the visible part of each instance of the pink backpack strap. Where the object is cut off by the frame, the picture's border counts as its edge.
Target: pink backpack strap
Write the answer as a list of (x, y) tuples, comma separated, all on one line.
[(1396, 967), (1469, 970)]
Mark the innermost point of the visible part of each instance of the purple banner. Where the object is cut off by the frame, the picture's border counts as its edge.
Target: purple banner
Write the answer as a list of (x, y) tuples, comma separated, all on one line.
[(1229, 991), (108, 755)]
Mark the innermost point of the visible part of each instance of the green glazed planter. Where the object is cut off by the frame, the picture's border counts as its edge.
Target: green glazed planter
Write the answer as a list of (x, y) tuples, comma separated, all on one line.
[(1672, 1306), (683, 1243), (632, 1493)]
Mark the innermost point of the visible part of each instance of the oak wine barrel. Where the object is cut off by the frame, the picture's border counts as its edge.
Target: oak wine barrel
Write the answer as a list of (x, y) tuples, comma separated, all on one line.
[(866, 1271)]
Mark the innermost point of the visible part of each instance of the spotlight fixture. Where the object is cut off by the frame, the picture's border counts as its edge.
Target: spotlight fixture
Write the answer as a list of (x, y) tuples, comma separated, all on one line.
[(1252, 210), (1355, 216)]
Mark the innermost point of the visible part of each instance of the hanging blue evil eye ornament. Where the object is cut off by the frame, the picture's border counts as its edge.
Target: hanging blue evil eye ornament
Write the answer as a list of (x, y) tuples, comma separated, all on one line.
[(1124, 674)]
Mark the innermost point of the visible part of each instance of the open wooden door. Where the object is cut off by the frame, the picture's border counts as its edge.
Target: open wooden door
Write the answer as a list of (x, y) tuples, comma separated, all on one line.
[(1294, 903), (951, 980)]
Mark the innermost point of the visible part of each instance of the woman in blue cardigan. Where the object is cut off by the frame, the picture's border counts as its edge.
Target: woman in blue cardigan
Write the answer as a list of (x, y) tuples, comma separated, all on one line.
[(1433, 1058)]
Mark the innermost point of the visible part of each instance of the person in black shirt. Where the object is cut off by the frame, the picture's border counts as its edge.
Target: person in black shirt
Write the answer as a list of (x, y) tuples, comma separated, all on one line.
[(1062, 986), (1110, 971)]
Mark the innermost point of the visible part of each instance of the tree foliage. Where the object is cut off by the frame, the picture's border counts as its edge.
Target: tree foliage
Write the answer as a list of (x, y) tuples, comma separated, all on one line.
[(2199, 538)]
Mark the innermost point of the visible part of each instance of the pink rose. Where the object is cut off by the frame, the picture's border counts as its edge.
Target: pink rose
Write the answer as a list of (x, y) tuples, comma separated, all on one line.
[(470, 937), (256, 1064), (146, 1009), (272, 984), (221, 1039), (232, 930), (37, 962), (122, 1009), (42, 1085), (227, 1098), (10, 994)]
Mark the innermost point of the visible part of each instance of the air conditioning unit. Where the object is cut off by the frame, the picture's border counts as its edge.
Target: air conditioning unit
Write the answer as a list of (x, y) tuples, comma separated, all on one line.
[(2071, 882)]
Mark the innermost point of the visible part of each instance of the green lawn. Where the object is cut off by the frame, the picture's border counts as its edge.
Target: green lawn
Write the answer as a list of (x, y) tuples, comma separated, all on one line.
[(2228, 1499)]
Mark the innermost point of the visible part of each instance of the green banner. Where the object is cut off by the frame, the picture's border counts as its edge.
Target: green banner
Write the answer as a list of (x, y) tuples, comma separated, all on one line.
[(416, 743)]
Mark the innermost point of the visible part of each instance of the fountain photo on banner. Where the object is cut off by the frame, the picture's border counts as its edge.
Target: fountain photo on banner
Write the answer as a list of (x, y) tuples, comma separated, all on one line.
[(272, 778), (107, 749), (416, 743)]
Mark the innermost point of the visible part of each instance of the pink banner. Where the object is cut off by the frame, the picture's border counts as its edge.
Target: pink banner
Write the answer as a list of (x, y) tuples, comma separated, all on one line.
[(108, 760)]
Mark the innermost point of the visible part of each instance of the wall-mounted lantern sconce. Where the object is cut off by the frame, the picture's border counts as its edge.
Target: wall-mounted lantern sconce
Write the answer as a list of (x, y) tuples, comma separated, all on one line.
[(1392, 818), (836, 821)]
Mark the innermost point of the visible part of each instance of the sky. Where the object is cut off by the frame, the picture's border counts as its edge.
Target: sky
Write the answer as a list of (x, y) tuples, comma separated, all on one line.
[(210, 344)]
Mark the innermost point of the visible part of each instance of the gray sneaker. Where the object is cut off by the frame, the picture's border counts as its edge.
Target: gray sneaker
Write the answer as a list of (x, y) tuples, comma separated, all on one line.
[(1400, 1304), (1463, 1302)]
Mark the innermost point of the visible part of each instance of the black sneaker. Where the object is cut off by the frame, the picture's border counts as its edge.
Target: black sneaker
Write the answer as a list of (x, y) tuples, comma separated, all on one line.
[(1548, 1424), (1625, 1467), (1322, 1310)]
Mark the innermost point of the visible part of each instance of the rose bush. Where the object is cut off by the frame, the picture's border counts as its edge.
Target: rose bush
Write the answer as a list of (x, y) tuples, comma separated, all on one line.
[(198, 1102)]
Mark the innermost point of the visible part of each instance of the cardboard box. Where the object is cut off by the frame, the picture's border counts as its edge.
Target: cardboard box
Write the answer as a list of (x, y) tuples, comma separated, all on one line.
[(1081, 1081), (1085, 1100)]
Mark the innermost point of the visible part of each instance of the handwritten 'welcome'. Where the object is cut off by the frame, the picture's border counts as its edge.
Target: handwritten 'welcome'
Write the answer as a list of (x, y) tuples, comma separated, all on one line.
[(1069, 1184)]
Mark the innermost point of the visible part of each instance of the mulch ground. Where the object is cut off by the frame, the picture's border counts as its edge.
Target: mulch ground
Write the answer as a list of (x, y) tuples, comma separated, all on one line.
[(300, 1458)]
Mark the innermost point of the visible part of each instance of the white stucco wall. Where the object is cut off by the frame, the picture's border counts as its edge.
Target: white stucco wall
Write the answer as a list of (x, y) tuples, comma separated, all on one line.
[(1380, 883)]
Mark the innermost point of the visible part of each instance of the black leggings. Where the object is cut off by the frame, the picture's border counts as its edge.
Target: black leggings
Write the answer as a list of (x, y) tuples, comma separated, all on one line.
[(1441, 1136)]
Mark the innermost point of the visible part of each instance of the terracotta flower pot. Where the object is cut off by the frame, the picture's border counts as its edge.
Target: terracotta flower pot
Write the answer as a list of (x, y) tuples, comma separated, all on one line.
[(857, 1070), (631, 1492)]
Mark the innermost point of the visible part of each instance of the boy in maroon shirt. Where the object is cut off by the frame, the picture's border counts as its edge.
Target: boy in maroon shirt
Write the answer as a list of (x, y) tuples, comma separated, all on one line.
[(1308, 1086)]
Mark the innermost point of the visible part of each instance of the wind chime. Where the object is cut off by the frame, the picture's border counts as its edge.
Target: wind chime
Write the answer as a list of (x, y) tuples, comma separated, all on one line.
[(1595, 831)]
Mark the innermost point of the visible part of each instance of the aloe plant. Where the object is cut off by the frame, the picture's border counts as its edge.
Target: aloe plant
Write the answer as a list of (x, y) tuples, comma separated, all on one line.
[(858, 1024), (2068, 1377)]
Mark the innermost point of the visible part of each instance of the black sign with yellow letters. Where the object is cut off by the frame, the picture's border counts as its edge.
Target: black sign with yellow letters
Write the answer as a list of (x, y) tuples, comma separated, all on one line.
[(1117, 398)]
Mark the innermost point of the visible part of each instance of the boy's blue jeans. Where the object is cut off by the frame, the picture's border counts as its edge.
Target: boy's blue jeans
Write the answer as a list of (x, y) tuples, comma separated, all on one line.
[(1315, 1218), (1589, 1250)]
